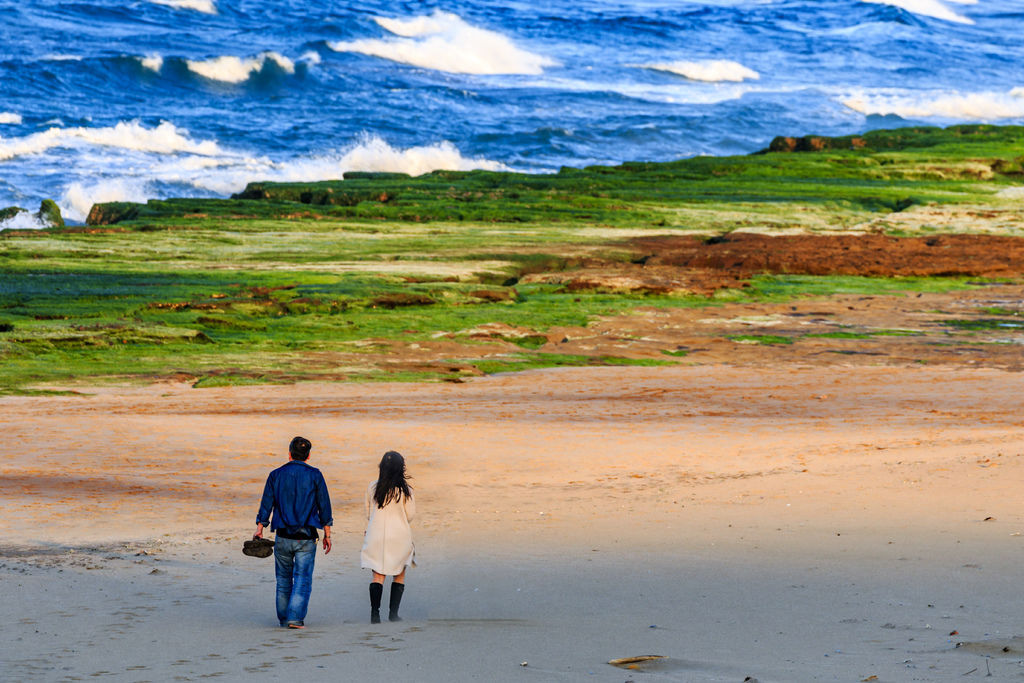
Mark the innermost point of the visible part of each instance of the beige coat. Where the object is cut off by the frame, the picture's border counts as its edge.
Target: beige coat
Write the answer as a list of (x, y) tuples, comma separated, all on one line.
[(387, 545)]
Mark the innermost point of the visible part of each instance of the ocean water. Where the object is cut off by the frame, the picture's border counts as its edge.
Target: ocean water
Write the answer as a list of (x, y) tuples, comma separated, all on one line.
[(104, 100)]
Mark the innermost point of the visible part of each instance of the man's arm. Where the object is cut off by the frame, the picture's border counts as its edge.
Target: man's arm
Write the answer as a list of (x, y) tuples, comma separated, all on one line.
[(266, 507), (323, 501)]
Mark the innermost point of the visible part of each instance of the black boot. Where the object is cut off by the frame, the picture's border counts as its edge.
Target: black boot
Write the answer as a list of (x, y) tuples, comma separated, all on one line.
[(376, 591), (396, 599)]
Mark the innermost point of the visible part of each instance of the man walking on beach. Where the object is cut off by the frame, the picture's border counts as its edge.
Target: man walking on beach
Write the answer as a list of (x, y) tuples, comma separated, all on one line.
[(297, 495)]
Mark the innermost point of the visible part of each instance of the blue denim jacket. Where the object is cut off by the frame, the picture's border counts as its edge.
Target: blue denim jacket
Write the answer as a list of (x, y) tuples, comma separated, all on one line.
[(297, 494)]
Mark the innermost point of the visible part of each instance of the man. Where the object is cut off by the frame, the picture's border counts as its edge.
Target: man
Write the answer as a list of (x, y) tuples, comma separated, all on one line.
[(297, 495)]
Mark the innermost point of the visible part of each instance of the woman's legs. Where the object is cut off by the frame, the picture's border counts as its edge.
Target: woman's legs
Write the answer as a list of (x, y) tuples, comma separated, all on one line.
[(377, 592), (397, 589)]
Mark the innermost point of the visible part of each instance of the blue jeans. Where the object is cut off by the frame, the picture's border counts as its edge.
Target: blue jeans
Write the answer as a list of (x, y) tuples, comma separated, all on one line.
[(293, 564)]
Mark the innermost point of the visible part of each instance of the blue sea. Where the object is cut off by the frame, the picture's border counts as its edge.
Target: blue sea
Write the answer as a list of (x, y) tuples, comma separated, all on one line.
[(104, 100)]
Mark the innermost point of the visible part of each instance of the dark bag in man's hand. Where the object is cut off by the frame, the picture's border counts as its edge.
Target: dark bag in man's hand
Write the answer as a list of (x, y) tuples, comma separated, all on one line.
[(258, 547)]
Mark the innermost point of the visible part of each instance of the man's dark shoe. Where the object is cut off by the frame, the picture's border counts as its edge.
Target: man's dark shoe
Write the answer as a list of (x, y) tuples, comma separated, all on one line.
[(258, 547)]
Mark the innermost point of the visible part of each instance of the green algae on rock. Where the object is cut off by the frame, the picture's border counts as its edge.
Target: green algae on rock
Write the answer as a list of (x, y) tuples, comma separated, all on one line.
[(851, 176), (49, 214)]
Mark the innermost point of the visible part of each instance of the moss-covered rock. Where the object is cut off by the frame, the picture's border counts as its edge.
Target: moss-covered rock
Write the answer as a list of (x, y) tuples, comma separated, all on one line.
[(49, 214), (112, 212), (328, 193), (1013, 167), (876, 171), (10, 212), (815, 143), (915, 137)]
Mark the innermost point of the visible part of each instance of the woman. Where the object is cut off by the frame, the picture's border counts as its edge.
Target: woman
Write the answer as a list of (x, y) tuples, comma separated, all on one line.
[(387, 543)]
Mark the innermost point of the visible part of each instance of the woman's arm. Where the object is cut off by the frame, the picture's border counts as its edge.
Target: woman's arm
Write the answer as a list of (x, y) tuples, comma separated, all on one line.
[(410, 507)]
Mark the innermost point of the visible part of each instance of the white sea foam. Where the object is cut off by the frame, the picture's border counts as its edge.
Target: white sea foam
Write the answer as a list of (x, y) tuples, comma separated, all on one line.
[(224, 173), (79, 197), (418, 26), (370, 153), (929, 8), (231, 69), (62, 58), (204, 6), (311, 57), (444, 42), (1014, 192), (980, 106), (10, 117), (710, 70), (691, 93), (23, 220), (128, 135), (374, 154), (152, 62)]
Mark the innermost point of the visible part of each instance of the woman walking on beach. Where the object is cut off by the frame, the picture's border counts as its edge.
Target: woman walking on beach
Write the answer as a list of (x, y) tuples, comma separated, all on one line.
[(387, 544)]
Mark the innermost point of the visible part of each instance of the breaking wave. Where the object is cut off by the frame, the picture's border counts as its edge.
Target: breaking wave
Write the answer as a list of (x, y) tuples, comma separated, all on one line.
[(23, 220), (930, 8), (152, 62), (374, 154), (231, 69), (224, 173), (129, 135), (10, 118), (204, 6), (711, 70), (978, 106), (79, 197), (444, 42), (696, 93)]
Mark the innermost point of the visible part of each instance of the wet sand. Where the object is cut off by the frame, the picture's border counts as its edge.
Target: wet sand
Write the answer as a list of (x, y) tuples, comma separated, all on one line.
[(810, 523)]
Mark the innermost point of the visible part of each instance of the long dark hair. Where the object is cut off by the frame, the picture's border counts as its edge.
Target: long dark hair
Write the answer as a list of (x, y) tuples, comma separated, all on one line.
[(391, 483)]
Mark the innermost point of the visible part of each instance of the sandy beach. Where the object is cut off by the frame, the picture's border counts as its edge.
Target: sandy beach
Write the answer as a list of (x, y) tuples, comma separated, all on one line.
[(810, 523)]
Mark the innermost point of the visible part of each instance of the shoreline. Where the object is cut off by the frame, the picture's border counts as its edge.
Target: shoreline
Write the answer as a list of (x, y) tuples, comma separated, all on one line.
[(762, 530)]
